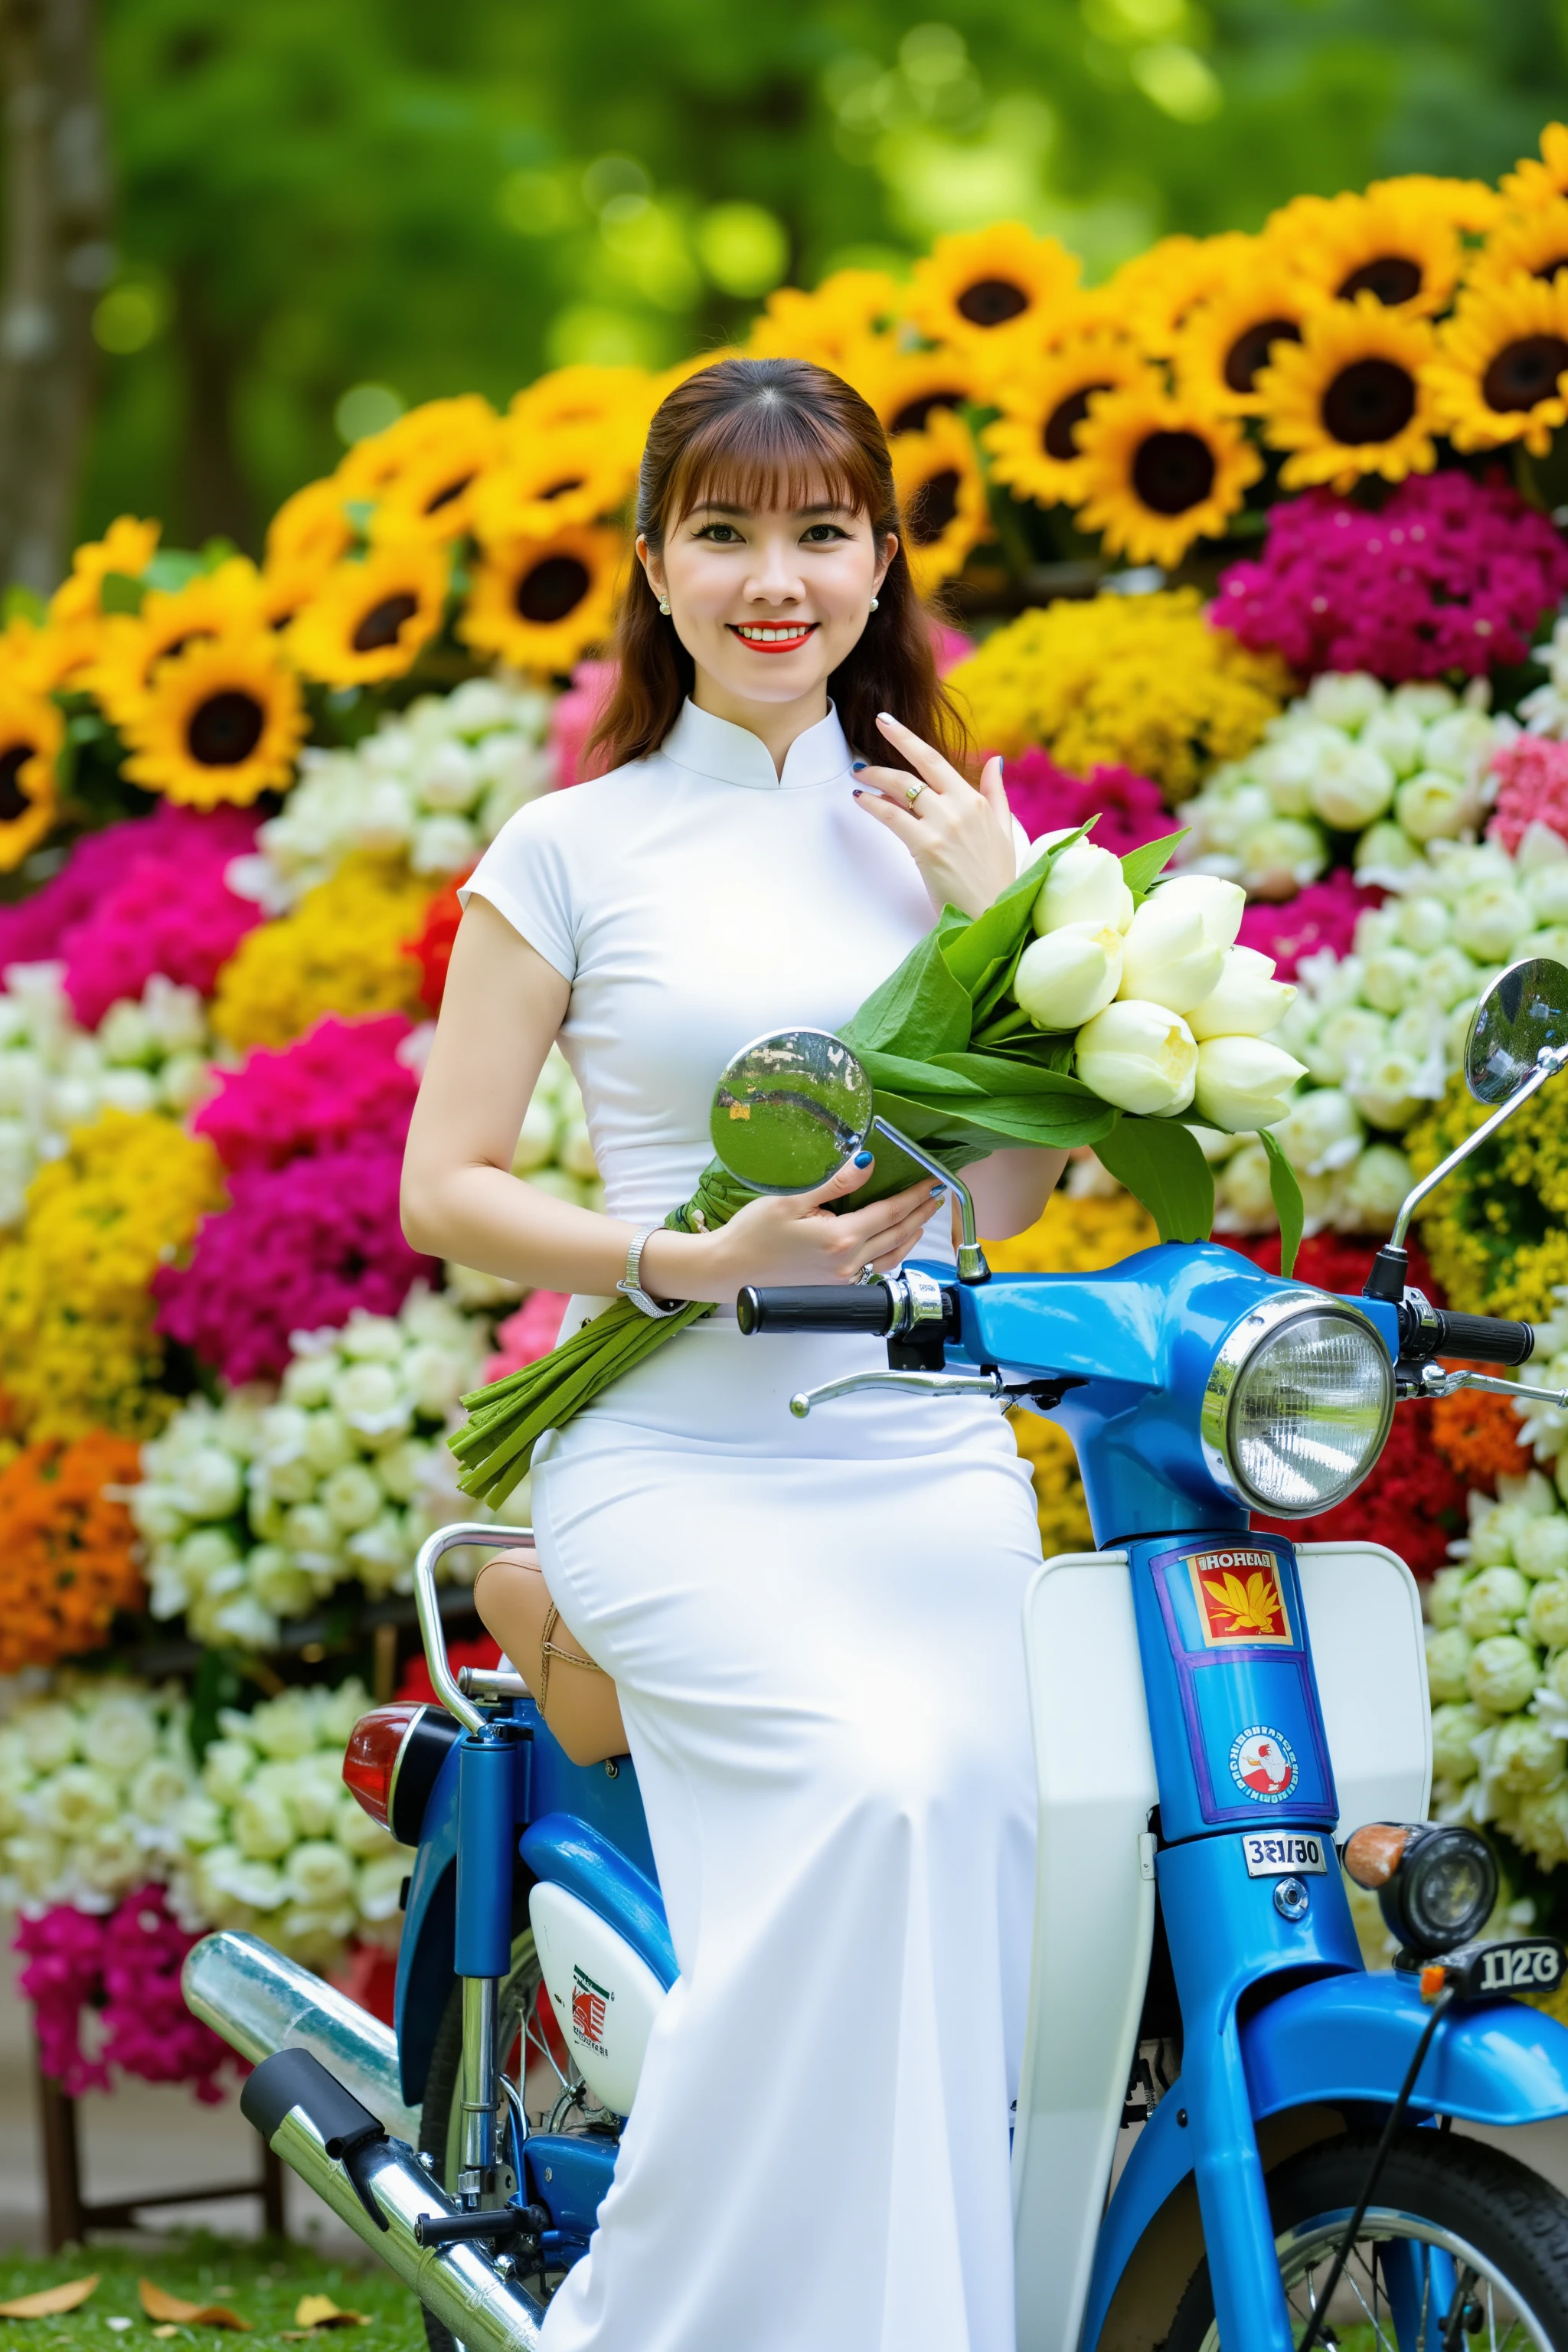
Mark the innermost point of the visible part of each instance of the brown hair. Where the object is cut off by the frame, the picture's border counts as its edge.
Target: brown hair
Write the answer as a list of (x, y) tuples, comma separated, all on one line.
[(750, 432)]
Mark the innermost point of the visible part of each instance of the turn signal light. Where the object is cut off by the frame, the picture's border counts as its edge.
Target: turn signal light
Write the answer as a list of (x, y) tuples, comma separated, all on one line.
[(1436, 1883), (394, 1754)]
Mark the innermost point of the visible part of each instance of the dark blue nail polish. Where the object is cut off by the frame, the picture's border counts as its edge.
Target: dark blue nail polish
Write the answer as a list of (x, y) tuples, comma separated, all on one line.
[(856, 765), (862, 1160), (856, 795), (937, 1191)]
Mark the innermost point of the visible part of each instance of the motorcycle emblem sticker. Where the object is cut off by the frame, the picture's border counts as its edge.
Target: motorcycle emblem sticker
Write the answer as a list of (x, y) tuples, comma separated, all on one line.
[(1263, 1764), (1239, 1599), (588, 2001)]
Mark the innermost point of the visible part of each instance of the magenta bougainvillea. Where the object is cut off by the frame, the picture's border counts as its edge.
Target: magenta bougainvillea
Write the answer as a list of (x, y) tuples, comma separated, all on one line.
[(338, 1087), (1323, 915), (1449, 574), (1532, 775), (1043, 796), (125, 1965)]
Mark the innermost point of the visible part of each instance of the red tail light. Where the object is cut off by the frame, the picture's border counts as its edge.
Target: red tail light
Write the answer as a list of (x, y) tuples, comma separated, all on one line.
[(375, 1750)]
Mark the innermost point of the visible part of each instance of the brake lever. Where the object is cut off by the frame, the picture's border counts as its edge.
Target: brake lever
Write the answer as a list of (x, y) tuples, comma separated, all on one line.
[(988, 1384), (1431, 1381)]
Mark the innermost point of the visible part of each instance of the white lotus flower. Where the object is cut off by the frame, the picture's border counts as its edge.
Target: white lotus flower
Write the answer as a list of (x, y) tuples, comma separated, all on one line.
[(1069, 975), (1246, 1000), (1245, 1189), (1489, 918), (1171, 957), (1244, 1082), (1352, 787), (1280, 858), (285, 1726), (263, 1823), (1421, 922), (1433, 806), (1321, 1132), (1086, 885), (319, 1873), (1387, 1089), (1347, 698), (1139, 1055), (1386, 854)]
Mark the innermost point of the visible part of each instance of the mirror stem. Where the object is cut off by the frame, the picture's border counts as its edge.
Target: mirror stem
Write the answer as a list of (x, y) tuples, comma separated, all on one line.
[(972, 1265), (1550, 1060)]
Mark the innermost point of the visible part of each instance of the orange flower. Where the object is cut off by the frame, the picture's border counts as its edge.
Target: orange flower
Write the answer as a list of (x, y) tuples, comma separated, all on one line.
[(68, 1550), (1478, 1435)]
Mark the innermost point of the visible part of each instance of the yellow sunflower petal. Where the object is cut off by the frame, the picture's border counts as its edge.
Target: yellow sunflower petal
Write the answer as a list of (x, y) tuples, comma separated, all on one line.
[(1225, 342), (372, 465), (220, 721), (601, 396), (1533, 182), (213, 605), (995, 287), (823, 325), (1470, 204), (543, 482), (904, 387), (368, 620), (1160, 473), (431, 496), (1392, 244), (1351, 397), (1155, 292), (127, 546), (313, 526), (60, 655), (942, 498), (1034, 445), (1530, 244), (1497, 373), (539, 605), (31, 733)]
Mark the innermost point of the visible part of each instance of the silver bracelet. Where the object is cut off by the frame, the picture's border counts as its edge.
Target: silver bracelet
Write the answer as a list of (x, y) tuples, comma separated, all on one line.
[(630, 1284)]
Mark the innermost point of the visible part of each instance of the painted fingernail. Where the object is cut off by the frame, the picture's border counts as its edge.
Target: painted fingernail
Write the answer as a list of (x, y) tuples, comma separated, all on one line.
[(856, 765), (856, 795), (937, 1191), (886, 719), (862, 1160)]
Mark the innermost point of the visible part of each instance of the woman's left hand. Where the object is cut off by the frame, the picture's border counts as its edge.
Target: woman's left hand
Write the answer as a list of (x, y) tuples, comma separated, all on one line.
[(960, 839)]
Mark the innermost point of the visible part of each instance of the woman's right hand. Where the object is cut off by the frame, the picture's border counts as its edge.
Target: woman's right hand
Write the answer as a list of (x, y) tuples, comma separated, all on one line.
[(792, 1239)]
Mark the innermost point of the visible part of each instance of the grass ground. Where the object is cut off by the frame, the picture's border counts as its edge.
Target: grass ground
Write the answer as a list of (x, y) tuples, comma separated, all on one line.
[(260, 2282)]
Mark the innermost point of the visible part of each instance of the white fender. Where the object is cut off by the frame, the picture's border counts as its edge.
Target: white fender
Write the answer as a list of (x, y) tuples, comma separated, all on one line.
[(1369, 1653), (605, 1995)]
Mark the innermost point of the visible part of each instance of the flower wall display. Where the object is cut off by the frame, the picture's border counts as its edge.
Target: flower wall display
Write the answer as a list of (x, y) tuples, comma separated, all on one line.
[(69, 1560), (94, 1779), (115, 1982)]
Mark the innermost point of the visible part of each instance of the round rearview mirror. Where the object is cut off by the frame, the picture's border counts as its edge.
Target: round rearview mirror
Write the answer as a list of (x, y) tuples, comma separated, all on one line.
[(1523, 1011), (789, 1111)]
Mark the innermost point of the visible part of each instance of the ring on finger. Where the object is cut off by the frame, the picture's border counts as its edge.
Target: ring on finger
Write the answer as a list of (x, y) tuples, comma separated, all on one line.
[(912, 792), (868, 1272)]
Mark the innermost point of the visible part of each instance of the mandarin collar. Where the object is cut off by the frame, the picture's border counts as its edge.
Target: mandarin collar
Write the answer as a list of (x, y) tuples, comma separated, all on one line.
[(714, 747)]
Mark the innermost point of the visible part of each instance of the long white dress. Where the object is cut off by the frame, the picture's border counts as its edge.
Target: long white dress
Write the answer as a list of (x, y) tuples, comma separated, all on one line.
[(814, 1628)]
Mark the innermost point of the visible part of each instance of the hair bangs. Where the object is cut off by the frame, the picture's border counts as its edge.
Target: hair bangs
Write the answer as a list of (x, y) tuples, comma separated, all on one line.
[(769, 452)]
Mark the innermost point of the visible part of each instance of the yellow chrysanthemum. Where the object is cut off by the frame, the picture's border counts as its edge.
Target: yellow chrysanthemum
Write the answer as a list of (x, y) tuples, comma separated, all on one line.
[(344, 950), (1501, 357), (214, 604), (374, 464), (1497, 1231), (1530, 182), (127, 546), (368, 620), (825, 326), (541, 603), (991, 289), (1533, 244), (1228, 336), (1392, 244), (1155, 293), (431, 496), (1351, 397), (221, 721), (1142, 682), (31, 734), (543, 483), (942, 498), (313, 529), (905, 387), (1034, 445), (1161, 472)]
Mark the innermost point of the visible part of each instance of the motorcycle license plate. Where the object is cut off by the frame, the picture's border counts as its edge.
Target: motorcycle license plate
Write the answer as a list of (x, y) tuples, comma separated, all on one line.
[(1282, 1855)]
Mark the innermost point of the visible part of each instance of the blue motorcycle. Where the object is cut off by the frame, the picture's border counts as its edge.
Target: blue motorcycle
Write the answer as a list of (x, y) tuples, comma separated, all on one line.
[(1227, 1725)]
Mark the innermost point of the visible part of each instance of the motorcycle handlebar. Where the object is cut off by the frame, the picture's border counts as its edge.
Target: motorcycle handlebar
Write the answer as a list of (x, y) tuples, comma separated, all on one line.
[(869, 1307), (1432, 1331)]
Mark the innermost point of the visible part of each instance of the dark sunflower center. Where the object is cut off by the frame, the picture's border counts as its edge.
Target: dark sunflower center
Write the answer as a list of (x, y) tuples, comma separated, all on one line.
[(992, 301), (382, 624), (551, 589), (559, 490), (1058, 437), (1393, 277), (916, 414), (1250, 351), (14, 800), (932, 507), (1371, 400), (1173, 471), (1525, 372), (1549, 269), (225, 729), (444, 497)]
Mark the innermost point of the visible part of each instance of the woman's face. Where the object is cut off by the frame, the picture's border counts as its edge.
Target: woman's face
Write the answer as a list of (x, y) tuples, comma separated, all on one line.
[(768, 599)]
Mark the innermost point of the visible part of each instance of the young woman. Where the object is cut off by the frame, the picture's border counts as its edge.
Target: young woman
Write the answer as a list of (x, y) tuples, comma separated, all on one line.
[(813, 1628)]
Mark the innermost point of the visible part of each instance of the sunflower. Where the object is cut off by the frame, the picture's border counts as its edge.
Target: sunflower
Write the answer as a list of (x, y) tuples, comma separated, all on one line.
[(1351, 397), (995, 288), (368, 620), (127, 546), (1392, 244), (541, 603), (216, 604), (220, 721), (941, 497), (57, 656), (1530, 182), (1152, 296), (1531, 244), (614, 402), (31, 733), (1499, 366), (311, 528), (431, 497), (1034, 444), (374, 464), (285, 588), (825, 326), (904, 387), (543, 482), (1160, 472), (1470, 205), (1229, 335)]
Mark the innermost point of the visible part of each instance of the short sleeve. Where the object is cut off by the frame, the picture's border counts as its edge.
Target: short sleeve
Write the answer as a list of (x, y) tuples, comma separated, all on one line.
[(526, 875)]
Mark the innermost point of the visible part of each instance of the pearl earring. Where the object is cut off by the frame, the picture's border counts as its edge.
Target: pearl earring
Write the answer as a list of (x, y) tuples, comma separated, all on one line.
[(874, 602), (664, 605)]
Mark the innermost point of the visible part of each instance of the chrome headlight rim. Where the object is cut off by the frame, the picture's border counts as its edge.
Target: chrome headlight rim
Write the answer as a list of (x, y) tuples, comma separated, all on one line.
[(1241, 1343)]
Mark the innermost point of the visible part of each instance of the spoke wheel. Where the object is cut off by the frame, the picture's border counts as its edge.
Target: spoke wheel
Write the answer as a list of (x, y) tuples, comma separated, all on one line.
[(1464, 2251)]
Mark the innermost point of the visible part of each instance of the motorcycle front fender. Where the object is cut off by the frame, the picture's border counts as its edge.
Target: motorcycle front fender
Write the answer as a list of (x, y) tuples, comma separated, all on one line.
[(1337, 2042)]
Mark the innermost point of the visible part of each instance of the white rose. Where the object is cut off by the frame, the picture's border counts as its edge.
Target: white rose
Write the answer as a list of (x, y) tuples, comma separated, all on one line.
[(1244, 1082), (1489, 919), (159, 1790), (125, 1033), (318, 1873), (371, 1399), (338, 1711), (383, 1552), (37, 1863), (207, 1558), (1540, 1549), (262, 1825), (258, 1883), (1391, 979), (1068, 975), (1346, 698), (1397, 736), (1320, 1132), (329, 1443), (1139, 1055), (133, 1091), (1086, 885), (1460, 743), (282, 1586), (210, 1483), (1447, 976), (1246, 1000), (285, 1726), (401, 1469), (1384, 1089), (356, 1832), (351, 1496), (50, 1734), (379, 1884), (226, 1768), (1170, 957), (316, 1792), (1281, 857), (448, 777), (202, 1824), (175, 1016), (309, 1380), (75, 1799), (370, 1339), (436, 1377), (110, 1859), (1546, 887), (313, 1536), (120, 1733), (1386, 853), (1432, 806), (1422, 700), (442, 845), (1421, 922)]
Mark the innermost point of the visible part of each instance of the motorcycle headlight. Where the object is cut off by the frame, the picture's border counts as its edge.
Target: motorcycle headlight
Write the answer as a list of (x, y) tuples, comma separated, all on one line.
[(1297, 1406), (1435, 1884)]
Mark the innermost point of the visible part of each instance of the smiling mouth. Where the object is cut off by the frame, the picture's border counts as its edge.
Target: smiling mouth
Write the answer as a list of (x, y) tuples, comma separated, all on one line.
[(772, 636)]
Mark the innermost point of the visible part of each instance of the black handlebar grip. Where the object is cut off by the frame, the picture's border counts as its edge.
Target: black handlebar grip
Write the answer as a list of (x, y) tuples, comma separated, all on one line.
[(1484, 1337), (862, 1306)]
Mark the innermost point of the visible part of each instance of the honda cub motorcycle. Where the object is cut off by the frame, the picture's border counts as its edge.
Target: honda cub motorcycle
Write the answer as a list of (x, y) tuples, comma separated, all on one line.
[(1227, 1726)]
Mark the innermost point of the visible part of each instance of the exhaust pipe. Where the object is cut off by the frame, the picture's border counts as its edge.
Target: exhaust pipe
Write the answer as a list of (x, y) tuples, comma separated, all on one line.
[(380, 2188), (259, 2003)]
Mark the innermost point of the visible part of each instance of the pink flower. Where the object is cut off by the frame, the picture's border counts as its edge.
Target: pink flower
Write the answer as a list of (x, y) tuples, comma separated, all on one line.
[(339, 1087), (1043, 796), (64, 1952), (1323, 915), (1532, 789), (574, 719), (951, 646), (299, 1250), (148, 2030), (525, 1336), (1447, 574)]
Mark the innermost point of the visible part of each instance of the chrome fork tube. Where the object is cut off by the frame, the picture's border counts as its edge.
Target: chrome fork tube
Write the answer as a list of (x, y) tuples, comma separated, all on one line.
[(481, 2092)]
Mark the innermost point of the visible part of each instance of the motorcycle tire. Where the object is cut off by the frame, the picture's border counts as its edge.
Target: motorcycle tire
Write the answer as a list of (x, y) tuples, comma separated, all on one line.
[(1505, 2229)]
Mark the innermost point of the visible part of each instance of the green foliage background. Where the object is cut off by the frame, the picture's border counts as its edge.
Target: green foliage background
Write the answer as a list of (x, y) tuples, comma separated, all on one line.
[(379, 193)]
